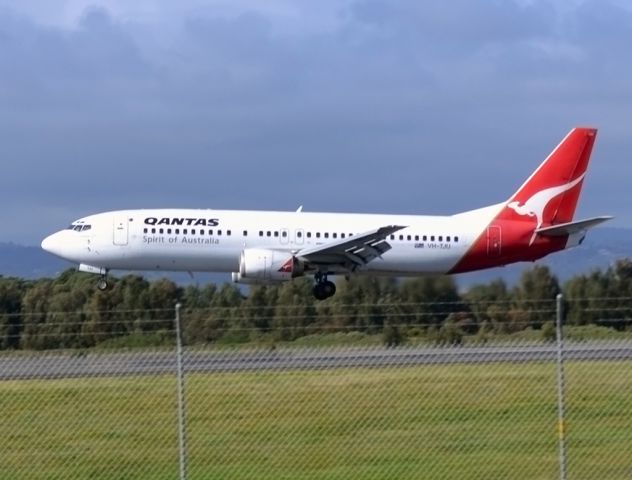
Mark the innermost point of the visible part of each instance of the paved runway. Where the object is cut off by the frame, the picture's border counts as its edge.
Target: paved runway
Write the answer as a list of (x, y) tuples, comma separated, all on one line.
[(23, 365)]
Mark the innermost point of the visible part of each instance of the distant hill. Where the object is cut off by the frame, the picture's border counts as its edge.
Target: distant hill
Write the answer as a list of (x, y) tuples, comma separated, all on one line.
[(33, 262), (29, 262), (602, 247)]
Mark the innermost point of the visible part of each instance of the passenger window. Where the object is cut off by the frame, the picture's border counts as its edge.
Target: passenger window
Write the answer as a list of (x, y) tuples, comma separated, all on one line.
[(276, 234), (432, 238), (219, 232), (144, 230), (168, 231), (326, 234), (447, 239), (284, 234), (416, 238), (425, 238), (228, 232), (261, 233), (298, 234), (268, 233), (408, 237), (456, 239), (193, 231), (210, 232), (335, 235), (441, 238), (245, 233), (392, 237), (177, 231), (401, 237), (317, 234), (153, 230), (202, 232), (184, 231), (342, 235), (161, 231), (309, 234)]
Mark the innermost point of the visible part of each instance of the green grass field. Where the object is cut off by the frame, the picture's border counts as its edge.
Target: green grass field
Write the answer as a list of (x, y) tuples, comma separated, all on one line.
[(455, 421)]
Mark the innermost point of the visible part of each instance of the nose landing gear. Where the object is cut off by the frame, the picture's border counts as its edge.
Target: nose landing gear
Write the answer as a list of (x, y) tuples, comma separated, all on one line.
[(323, 288), (102, 283)]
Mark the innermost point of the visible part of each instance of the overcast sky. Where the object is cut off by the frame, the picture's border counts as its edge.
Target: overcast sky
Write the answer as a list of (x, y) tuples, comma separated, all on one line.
[(362, 105)]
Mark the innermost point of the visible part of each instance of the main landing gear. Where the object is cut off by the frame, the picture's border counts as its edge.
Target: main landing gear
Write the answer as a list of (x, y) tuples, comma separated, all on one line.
[(323, 288)]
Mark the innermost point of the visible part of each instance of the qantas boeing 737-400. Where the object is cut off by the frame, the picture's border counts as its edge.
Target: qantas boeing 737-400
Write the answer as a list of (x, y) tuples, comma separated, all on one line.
[(268, 247)]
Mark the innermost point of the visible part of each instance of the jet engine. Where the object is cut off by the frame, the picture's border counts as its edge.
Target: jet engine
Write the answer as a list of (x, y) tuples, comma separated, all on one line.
[(259, 265)]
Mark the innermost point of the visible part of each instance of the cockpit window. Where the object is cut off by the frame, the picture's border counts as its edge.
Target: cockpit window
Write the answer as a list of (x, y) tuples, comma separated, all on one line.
[(79, 227)]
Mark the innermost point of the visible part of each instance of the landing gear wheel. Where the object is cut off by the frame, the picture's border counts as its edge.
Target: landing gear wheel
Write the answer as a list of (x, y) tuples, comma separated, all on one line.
[(319, 292), (102, 284), (330, 288), (323, 288)]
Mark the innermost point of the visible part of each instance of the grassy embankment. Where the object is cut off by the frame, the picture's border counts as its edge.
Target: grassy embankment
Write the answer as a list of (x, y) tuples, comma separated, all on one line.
[(441, 421)]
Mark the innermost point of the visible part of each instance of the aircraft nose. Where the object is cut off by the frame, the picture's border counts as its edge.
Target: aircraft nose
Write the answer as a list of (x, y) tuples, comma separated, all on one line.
[(52, 244)]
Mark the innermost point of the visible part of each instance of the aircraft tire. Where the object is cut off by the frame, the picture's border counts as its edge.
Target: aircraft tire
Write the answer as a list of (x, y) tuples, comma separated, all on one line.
[(324, 290), (330, 288), (319, 292)]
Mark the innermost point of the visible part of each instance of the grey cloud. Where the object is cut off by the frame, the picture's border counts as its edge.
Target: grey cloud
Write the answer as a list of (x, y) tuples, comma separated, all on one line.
[(460, 26), (401, 101)]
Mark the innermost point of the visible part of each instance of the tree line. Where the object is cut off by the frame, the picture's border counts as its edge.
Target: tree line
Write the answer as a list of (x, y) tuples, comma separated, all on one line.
[(69, 312)]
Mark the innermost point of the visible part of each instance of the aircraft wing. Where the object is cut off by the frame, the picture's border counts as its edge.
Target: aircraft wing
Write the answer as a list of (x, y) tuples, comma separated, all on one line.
[(351, 252)]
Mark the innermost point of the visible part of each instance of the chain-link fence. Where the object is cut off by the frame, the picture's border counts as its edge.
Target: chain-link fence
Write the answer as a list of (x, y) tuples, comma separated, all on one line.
[(479, 407)]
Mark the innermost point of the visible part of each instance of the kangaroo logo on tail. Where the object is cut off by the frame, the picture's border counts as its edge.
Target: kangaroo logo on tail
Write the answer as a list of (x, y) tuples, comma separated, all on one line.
[(534, 206)]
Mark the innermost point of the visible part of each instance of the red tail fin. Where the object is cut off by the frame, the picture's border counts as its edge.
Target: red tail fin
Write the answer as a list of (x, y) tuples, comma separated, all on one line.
[(550, 194), (548, 197)]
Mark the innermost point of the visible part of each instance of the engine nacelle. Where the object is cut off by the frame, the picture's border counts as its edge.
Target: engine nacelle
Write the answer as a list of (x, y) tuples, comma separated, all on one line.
[(260, 265)]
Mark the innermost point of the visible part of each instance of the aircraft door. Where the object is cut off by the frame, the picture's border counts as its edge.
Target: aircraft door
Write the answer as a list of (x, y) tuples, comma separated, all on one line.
[(121, 230), (493, 241)]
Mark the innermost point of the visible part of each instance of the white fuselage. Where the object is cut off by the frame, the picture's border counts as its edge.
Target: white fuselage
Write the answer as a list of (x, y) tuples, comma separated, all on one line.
[(213, 240)]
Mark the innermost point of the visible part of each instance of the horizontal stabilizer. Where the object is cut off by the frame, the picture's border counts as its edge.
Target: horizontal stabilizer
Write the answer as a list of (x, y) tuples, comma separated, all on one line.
[(572, 227)]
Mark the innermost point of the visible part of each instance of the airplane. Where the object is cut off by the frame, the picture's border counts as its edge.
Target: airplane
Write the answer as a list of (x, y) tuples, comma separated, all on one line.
[(264, 247)]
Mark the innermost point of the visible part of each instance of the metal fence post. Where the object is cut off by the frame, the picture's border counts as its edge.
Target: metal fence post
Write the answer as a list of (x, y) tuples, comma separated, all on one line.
[(561, 401), (182, 428)]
